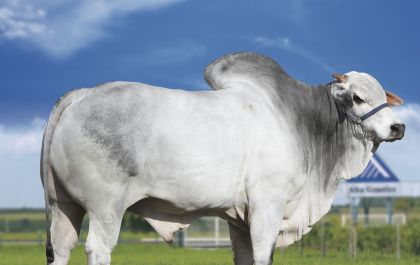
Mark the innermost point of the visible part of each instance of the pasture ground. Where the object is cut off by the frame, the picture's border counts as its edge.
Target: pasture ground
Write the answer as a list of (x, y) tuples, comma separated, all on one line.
[(162, 254)]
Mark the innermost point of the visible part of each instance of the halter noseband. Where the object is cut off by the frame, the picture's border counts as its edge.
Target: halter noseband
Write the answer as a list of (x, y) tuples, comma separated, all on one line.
[(370, 113)]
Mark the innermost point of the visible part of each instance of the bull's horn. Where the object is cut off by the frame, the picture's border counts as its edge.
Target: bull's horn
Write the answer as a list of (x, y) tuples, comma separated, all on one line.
[(340, 78), (393, 100)]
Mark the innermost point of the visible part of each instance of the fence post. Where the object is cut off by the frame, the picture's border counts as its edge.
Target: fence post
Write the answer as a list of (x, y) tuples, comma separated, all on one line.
[(323, 244), (352, 242), (389, 206), (355, 242), (39, 238), (181, 238), (354, 209), (156, 237), (216, 231), (398, 243), (301, 246)]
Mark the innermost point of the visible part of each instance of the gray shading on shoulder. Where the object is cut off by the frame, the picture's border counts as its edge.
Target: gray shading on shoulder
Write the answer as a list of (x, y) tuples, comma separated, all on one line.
[(110, 125)]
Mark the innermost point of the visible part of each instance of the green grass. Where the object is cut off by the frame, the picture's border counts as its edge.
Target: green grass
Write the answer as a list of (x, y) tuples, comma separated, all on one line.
[(41, 235), (24, 236), (141, 254)]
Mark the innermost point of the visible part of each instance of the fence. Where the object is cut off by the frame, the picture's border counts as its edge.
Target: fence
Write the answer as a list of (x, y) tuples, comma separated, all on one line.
[(207, 232), (374, 219), (328, 234)]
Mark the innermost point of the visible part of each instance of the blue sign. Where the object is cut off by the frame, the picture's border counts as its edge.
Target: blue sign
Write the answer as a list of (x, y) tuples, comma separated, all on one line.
[(376, 171)]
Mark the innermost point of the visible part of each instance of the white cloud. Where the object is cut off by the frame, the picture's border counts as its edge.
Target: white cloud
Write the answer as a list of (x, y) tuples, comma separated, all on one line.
[(22, 141), (278, 42), (20, 24), (409, 113), (20, 149), (403, 157), (60, 28), (285, 43)]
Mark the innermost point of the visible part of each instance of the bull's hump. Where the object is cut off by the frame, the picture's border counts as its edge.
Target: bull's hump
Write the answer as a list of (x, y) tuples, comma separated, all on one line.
[(245, 66)]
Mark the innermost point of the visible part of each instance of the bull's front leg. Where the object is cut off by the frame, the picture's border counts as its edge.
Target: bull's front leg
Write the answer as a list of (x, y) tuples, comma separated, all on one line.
[(265, 222)]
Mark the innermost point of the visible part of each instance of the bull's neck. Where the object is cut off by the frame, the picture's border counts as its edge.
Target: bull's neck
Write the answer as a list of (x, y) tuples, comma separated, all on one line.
[(333, 147)]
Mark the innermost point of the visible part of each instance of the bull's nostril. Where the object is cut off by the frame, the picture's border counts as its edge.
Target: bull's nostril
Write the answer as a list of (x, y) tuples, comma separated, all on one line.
[(395, 129), (398, 129)]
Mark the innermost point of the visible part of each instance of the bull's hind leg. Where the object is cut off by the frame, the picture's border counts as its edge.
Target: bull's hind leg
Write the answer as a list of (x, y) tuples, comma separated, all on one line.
[(65, 228), (241, 245), (104, 227)]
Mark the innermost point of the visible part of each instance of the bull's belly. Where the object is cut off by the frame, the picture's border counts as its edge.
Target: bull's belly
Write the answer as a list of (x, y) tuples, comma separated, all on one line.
[(198, 186), (87, 175)]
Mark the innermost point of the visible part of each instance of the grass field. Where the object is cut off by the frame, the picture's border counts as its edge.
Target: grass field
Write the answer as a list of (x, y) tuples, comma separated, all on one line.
[(161, 254)]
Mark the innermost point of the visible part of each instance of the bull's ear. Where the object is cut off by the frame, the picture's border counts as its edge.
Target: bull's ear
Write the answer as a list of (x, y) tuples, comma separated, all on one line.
[(340, 92), (393, 100), (342, 96), (340, 78)]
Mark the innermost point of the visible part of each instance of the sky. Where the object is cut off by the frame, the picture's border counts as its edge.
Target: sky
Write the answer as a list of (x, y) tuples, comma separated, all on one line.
[(50, 47)]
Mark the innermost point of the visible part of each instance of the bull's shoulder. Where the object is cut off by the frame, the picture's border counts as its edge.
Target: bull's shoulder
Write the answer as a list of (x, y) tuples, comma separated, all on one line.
[(245, 66)]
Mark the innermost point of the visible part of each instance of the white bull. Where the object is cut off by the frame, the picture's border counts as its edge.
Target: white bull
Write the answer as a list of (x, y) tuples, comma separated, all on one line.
[(263, 151)]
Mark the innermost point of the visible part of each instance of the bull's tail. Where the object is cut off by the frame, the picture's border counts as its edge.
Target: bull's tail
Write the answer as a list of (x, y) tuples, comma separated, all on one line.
[(46, 170)]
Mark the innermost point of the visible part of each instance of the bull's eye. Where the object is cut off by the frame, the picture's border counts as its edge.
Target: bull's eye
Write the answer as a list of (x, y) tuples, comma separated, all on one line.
[(357, 99)]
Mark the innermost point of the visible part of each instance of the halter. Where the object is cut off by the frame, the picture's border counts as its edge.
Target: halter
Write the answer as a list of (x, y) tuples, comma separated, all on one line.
[(370, 113), (359, 120)]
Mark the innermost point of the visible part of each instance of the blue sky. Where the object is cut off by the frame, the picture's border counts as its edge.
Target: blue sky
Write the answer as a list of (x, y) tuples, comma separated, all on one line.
[(50, 47)]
